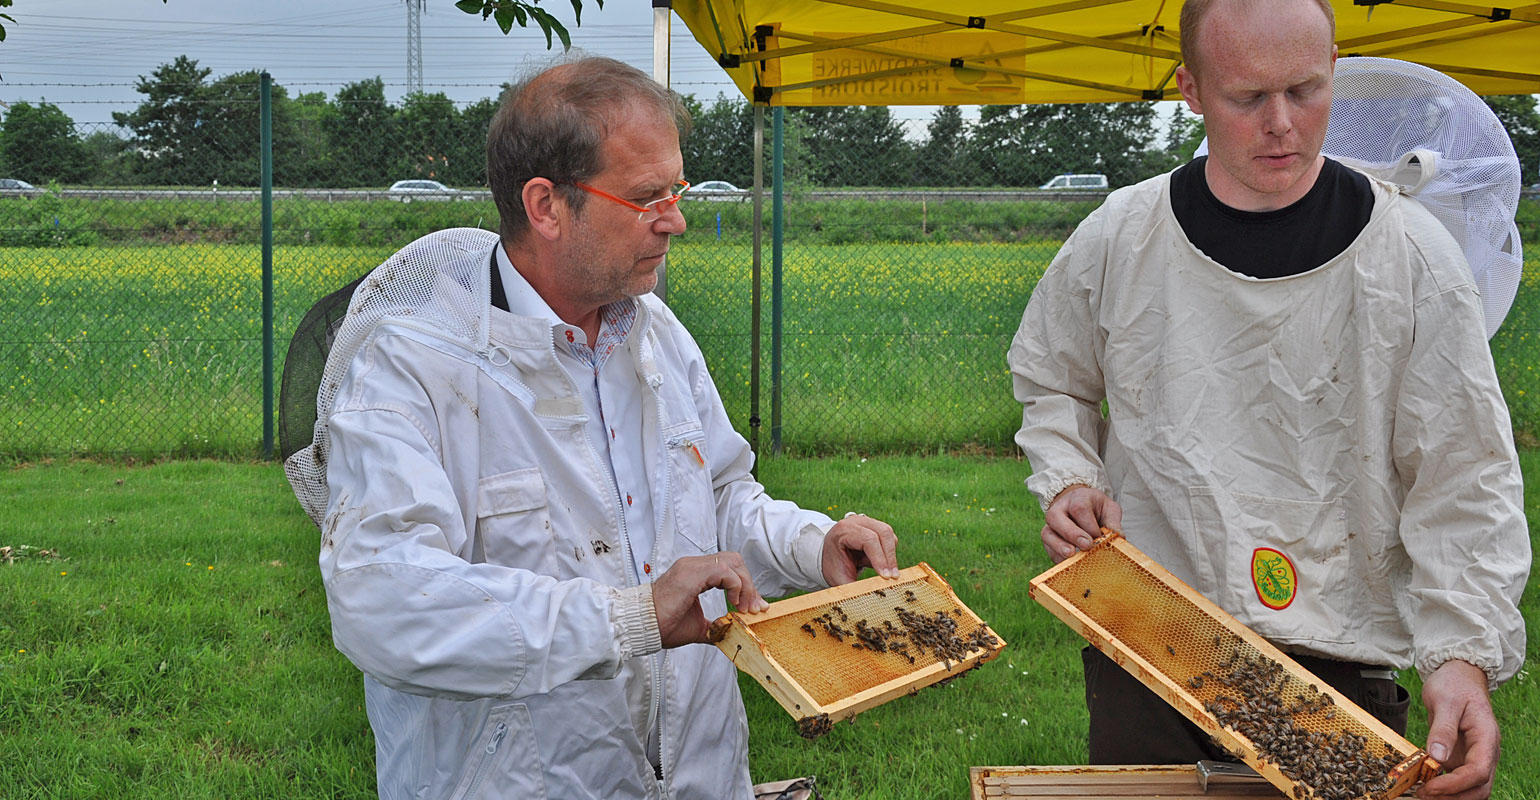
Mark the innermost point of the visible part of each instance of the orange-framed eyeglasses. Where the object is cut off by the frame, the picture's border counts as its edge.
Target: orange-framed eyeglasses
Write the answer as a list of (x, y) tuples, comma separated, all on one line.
[(645, 213)]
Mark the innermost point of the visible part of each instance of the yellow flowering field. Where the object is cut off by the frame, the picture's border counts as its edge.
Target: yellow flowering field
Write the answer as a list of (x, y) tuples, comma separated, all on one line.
[(893, 346)]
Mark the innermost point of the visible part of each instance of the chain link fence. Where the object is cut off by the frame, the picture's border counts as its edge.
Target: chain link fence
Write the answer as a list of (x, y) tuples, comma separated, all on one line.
[(133, 302)]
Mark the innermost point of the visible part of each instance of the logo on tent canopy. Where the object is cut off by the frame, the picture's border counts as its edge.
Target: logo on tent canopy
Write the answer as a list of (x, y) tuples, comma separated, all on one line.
[(917, 70)]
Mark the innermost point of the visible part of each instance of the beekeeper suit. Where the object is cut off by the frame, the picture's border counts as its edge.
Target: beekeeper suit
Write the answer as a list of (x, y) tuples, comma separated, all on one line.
[(532, 501), (1302, 417), (1366, 442)]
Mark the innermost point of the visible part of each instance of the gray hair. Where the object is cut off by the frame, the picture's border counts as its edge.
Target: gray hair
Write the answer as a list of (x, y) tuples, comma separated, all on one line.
[(553, 124)]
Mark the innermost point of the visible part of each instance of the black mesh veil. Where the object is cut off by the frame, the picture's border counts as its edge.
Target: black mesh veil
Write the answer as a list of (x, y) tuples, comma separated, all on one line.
[(303, 366)]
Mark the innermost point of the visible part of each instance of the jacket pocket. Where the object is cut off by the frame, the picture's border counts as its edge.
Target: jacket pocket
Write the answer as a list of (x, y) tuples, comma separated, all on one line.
[(1279, 566), (513, 521), (503, 760), (694, 503)]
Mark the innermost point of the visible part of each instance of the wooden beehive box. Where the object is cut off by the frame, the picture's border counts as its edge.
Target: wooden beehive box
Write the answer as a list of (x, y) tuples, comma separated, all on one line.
[(829, 655), (1200, 660), (1111, 783)]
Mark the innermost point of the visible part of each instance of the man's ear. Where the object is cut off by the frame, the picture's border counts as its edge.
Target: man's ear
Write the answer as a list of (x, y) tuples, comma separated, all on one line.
[(544, 207), (1188, 86)]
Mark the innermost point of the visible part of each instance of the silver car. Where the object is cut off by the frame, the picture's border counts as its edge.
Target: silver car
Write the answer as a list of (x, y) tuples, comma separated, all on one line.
[(417, 189), (716, 190), (10, 187)]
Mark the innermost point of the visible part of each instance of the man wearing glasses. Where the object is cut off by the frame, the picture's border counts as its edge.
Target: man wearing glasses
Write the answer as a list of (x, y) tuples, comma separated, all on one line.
[(534, 501)]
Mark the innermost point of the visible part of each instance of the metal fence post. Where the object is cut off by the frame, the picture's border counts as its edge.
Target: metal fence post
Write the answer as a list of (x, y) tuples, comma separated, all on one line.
[(267, 265), (754, 356), (778, 221)]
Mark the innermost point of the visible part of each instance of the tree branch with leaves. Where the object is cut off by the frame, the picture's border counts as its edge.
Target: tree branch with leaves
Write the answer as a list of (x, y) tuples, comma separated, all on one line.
[(508, 12)]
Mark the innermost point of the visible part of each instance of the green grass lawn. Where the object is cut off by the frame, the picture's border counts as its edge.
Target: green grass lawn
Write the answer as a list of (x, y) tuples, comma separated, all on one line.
[(178, 644)]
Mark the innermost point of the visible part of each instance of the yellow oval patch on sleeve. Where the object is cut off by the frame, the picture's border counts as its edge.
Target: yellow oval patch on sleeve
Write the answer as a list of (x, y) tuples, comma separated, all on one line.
[(1273, 575)]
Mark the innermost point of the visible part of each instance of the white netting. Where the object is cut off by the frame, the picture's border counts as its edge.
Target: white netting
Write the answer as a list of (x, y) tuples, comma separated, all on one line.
[(1383, 111), (1424, 131), (440, 284)]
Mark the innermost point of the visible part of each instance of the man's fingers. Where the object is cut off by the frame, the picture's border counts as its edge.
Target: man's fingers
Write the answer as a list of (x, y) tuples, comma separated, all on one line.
[(1467, 782), (1077, 516), (1057, 548), (859, 541), (676, 594), (1462, 732), (1441, 738), (1066, 530), (1086, 522), (1112, 515), (880, 545), (879, 557), (732, 576)]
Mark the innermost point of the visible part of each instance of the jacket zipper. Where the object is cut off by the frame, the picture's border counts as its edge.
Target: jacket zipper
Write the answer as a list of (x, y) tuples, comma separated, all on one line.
[(486, 759)]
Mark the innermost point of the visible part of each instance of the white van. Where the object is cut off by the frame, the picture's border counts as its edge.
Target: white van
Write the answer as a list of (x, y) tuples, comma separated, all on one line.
[(1076, 182)]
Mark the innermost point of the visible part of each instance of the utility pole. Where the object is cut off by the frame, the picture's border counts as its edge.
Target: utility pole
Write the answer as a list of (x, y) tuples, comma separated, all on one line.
[(414, 46)]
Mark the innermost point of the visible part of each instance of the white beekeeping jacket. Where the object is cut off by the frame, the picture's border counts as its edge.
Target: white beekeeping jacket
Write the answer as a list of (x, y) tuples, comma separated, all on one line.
[(1327, 455), (473, 560)]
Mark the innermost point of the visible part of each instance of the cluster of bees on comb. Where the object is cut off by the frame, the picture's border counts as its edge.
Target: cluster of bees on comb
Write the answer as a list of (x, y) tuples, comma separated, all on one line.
[(935, 633), (814, 726), (1333, 765)]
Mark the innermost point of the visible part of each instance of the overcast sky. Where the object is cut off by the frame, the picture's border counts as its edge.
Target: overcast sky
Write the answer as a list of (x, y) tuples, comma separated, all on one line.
[(86, 55)]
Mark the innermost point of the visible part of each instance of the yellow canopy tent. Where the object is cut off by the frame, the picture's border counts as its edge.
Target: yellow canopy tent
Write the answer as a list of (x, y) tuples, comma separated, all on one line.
[(1007, 52), (866, 52)]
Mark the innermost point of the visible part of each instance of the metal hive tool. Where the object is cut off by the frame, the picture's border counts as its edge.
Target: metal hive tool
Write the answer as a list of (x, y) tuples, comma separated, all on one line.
[(1259, 704), (831, 654)]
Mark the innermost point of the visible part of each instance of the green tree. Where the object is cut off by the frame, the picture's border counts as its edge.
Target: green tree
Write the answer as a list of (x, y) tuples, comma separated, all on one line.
[(38, 144), (856, 146), (169, 126), (1519, 116), (231, 134), (1027, 145), (362, 134), (109, 155), (1184, 132), (475, 119), (939, 162), (190, 131), (720, 144), (312, 152), (429, 130)]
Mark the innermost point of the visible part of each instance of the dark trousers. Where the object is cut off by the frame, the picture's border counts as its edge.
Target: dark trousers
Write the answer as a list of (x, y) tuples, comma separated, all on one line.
[(1131, 724)]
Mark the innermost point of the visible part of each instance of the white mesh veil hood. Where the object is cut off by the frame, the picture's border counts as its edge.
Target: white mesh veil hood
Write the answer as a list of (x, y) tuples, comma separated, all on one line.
[(439, 284), (1425, 132)]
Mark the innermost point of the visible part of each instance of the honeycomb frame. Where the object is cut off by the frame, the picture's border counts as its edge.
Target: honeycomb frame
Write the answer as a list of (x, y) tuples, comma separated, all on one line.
[(806, 652), (1175, 641)]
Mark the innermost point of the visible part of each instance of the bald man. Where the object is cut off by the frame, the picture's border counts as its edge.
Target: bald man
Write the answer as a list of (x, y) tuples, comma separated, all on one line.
[(1303, 418)]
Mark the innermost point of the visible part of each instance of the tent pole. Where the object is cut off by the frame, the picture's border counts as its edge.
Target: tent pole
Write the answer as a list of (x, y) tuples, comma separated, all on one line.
[(777, 223), (661, 44), (759, 188)]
